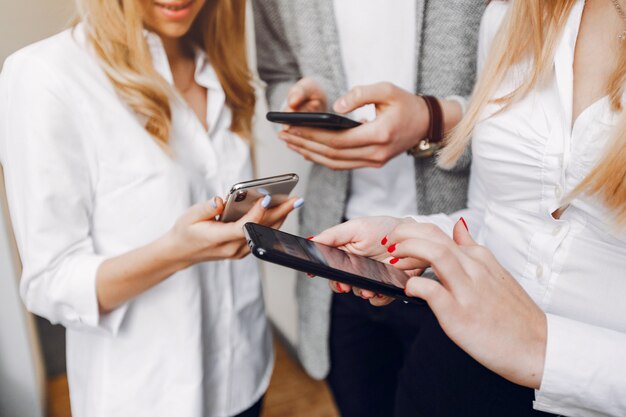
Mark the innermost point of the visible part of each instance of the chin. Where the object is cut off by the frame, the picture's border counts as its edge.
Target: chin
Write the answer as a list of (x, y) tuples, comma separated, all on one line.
[(173, 31)]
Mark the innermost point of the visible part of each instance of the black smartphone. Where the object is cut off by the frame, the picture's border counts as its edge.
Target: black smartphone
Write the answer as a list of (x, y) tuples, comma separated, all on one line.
[(328, 121), (325, 261), (243, 195)]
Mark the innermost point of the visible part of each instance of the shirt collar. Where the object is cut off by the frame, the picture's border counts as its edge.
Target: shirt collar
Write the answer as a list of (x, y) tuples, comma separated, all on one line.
[(204, 75)]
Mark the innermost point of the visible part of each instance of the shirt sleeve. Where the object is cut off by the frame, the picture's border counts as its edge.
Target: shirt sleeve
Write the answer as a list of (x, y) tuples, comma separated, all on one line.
[(584, 372), (49, 172)]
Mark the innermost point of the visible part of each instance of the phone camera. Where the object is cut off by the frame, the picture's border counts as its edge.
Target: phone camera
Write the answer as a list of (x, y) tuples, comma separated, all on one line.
[(241, 195)]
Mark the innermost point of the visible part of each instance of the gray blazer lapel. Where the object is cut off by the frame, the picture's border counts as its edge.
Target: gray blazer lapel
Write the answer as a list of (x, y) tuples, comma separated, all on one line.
[(420, 6), (330, 45)]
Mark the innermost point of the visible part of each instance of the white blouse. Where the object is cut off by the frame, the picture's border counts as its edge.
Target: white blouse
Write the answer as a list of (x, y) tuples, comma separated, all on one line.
[(525, 161), (86, 182)]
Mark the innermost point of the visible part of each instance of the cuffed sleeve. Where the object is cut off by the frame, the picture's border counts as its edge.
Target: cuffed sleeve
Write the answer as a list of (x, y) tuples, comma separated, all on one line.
[(584, 372), (50, 174)]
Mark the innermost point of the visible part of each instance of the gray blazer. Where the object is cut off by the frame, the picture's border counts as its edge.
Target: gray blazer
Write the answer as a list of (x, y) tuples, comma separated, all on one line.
[(298, 38)]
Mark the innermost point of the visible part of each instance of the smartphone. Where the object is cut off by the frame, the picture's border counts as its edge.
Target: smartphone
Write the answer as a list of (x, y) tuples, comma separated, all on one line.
[(328, 121), (243, 195), (325, 261)]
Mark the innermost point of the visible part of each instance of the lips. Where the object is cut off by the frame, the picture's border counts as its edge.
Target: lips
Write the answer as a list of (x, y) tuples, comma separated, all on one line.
[(174, 6)]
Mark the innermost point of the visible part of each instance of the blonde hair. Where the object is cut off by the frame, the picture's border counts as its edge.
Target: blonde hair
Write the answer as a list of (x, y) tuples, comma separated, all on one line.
[(532, 29), (116, 31)]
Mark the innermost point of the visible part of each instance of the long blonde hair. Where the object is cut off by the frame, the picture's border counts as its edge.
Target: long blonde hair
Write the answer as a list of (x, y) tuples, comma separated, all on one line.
[(532, 29), (116, 31)]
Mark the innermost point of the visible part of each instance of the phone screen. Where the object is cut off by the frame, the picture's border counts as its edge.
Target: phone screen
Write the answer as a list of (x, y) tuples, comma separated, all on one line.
[(331, 257)]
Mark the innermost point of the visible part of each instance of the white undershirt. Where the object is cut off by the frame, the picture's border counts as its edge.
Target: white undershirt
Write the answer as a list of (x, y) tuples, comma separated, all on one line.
[(377, 40)]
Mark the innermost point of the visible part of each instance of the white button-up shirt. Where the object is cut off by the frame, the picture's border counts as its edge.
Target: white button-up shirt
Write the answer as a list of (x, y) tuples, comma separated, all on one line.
[(377, 39), (525, 161), (86, 182)]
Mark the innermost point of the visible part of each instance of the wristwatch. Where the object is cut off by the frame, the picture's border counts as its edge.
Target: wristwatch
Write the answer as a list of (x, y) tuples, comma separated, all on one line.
[(433, 141)]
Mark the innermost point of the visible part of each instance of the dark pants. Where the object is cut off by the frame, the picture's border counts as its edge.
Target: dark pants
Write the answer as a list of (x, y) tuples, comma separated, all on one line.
[(254, 411), (368, 347), (400, 363)]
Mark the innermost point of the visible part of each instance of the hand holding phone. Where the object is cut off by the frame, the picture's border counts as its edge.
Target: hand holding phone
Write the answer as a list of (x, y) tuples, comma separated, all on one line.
[(325, 261), (243, 195)]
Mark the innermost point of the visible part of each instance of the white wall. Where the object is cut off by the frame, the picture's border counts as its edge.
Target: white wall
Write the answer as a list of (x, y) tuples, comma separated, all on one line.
[(275, 158)]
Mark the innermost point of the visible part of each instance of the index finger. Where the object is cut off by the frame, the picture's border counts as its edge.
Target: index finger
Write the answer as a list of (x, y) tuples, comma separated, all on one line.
[(356, 137)]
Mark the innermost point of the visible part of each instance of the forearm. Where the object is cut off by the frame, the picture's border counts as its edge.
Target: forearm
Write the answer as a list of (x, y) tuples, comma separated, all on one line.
[(124, 277)]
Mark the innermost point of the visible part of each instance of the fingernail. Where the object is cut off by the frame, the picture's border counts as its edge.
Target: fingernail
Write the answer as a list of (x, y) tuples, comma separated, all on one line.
[(310, 275), (384, 241), (394, 261), (298, 203), (391, 248), (464, 224), (266, 201), (310, 237), (213, 203), (340, 104)]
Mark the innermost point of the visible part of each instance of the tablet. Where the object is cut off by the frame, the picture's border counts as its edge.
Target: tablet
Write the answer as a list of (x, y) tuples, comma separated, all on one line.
[(328, 121), (327, 262)]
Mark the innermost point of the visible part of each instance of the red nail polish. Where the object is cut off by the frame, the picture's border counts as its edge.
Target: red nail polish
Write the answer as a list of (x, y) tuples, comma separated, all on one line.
[(391, 248), (464, 223), (310, 237), (310, 275), (394, 261), (384, 241)]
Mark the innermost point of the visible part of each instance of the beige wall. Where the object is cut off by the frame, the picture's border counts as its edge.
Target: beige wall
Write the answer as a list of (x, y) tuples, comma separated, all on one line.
[(26, 21)]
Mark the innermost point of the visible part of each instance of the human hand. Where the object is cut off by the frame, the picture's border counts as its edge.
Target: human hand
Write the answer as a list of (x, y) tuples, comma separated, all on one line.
[(198, 237), (479, 305), (306, 96), (402, 120), (363, 236)]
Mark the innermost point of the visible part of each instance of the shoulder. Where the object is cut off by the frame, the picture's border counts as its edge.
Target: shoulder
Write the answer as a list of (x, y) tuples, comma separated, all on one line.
[(46, 62)]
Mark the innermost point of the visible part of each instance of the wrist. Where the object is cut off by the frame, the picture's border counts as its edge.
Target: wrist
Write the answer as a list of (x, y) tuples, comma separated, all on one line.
[(168, 250), (432, 130), (452, 114)]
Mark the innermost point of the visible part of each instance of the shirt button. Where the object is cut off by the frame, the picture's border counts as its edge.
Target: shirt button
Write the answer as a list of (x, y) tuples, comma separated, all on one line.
[(557, 230), (539, 271)]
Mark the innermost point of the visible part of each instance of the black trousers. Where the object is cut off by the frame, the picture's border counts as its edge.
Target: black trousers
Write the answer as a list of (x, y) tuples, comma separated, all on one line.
[(397, 361)]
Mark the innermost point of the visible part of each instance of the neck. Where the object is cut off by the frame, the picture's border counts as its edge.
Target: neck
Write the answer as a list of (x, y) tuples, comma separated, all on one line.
[(175, 51)]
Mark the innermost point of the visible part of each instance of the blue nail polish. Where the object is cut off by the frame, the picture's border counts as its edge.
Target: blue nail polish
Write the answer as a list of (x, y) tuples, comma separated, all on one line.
[(298, 203), (266, 201), (213, 203)]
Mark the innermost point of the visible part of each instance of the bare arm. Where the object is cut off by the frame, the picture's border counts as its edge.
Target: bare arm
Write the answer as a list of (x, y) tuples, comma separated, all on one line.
[(196, 237)]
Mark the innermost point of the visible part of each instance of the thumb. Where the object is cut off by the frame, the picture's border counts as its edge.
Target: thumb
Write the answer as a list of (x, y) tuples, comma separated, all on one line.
[(204, 211), (295, 96), (461, 234), (339, 235), (361, 95)]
